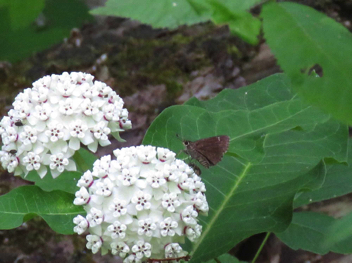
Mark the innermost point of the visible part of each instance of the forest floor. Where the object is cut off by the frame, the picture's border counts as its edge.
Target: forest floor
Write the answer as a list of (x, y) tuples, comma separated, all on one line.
[(151, 70)]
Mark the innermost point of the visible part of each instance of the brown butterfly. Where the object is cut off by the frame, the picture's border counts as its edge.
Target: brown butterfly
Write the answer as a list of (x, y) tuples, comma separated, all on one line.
[(208, 151)]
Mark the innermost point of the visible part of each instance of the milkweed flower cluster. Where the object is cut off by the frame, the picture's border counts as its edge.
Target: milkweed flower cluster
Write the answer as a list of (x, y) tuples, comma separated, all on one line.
[(141, 205), (51, 119)]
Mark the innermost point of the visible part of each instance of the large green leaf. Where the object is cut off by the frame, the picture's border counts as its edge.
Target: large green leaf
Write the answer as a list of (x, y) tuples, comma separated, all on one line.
[(340, 232), (166, 13), (338, 182), (22, 12), (59, 18), (252, 195), (225, 258), (66, 181), (310, 231), (240, 22), (22, 203), (173, 13), (301, 38)]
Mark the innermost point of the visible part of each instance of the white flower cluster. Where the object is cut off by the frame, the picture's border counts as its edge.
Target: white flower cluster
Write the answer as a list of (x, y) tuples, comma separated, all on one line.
[(51, 119), (141, 205)]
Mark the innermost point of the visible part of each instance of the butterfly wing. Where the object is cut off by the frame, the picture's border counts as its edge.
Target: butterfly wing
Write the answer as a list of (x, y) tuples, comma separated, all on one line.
[(212, 148)]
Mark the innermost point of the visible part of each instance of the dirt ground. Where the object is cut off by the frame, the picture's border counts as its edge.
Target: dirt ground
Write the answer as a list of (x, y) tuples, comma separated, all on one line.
[(151, 70)]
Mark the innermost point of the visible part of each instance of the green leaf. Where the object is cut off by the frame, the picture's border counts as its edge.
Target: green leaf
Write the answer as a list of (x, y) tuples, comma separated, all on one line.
[(338, 182), (66, 181), (226, 258), (253, 195), (302, 38), (59, 18), (267, 106), (22, 12), (84, 160), (340, 234), (309, 231), (240, 22), (173, 13), (56, 208), (166, 13)]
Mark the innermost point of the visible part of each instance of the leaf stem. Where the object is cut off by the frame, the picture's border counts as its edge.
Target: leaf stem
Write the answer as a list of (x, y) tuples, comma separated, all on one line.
[(261, 247), (217, 260)]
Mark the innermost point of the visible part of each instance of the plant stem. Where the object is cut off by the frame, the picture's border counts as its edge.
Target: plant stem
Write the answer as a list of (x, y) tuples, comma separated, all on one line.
[(261, 247), (218, 261)]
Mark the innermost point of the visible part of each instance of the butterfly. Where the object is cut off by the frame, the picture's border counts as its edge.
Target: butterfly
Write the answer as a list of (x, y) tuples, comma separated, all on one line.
[(208, 151)]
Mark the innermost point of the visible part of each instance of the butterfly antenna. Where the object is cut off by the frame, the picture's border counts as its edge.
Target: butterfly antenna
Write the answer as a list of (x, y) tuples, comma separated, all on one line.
[(178, 137)]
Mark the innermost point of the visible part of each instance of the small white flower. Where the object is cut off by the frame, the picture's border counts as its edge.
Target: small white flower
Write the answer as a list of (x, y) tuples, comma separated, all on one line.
[(118, 207), (104, 188), (156, 179), (170, 202), (43, 112), (95, 217), (146, 153), (81, 224), (58, 162), (82, 197), (146, 227), (193, 232), (128, 176), (94, 243), (65, 88), (68, 106), (32, 161), (117, 230), (29, 135), (132, 258), (189, 215), (165, 154), (200, 202), (89, 107), (55, 132), (10, 135), (174, 250), (102, 89), (119, 248), (141, 200), (142, 249), (78, 129), (101, 167), (198, 185), (168, 226), (101, 132), (86, 180)]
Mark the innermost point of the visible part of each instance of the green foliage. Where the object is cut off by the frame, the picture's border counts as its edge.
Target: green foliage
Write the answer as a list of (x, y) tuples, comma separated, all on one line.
[(226, 258), (20, 36), (167, 13), (66, 182), (301, 38), (240, 22), (340, 232), (338, 182), (22, 203), (309, 231), (174, 13), (269, 160), (22, 13)]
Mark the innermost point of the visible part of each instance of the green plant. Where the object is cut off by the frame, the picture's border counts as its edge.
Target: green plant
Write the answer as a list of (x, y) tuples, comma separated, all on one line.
[(289, 140)]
